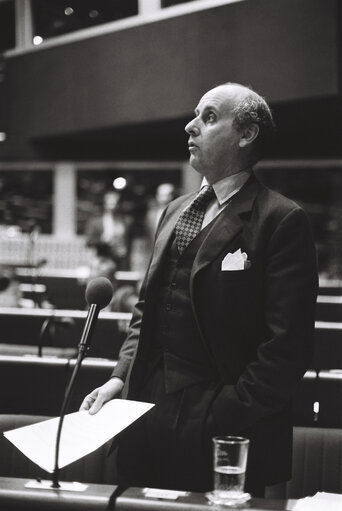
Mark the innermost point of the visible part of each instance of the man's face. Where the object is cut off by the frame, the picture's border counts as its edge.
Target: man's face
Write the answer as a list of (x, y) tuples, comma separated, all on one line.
[(165, 193), (213, 141), (110, 201)]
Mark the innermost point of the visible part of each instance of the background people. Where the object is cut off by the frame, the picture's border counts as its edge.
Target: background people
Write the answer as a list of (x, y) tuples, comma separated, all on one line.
[(112, 228), (165, 193)]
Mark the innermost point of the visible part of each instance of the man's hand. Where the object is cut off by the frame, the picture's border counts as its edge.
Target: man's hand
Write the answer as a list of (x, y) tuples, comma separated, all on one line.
[(96, 399)]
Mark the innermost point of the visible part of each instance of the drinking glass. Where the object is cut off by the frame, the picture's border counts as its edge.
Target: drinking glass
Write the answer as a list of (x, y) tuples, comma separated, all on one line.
[(230, 461)]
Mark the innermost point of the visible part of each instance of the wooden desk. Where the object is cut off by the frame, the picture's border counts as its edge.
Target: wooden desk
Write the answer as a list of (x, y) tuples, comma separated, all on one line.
[(133, 499), (14, 496)]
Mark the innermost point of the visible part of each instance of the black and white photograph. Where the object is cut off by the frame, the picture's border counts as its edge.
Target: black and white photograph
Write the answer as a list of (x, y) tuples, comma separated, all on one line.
[(171, 255)]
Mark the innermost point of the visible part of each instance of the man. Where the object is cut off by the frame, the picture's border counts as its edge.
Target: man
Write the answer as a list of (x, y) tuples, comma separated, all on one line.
[(223, 329), (110, 231), (165, 193)]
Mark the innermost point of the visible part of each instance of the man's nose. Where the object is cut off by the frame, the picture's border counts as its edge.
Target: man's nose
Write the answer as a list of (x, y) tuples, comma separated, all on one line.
[(192, 129)]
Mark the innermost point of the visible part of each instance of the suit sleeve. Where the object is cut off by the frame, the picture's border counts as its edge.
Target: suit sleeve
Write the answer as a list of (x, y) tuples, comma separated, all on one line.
[(130, 345), (267, 383)]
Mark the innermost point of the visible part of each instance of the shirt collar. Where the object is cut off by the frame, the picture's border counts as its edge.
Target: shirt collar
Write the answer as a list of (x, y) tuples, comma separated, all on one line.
[(228, 186)]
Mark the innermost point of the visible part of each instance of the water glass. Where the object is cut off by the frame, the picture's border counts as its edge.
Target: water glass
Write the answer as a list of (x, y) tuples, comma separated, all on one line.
[(230, 461)]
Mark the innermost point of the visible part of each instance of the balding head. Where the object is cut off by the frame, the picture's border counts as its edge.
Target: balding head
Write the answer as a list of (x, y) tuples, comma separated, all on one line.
[(224, 133), (249, 107)]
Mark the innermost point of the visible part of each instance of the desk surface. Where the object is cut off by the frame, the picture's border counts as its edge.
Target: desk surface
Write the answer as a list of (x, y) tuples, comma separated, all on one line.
[(14, 495), (134, 499)]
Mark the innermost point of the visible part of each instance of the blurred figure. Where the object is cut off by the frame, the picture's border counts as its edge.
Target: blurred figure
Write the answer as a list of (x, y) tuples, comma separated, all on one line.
[(125, 296), (10, 292), (165, 193), (10, 295), (102, 264), (124, 299), (112, 228)]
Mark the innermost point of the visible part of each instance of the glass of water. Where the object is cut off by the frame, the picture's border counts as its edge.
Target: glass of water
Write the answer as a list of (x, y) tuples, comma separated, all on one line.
[(230, 461)]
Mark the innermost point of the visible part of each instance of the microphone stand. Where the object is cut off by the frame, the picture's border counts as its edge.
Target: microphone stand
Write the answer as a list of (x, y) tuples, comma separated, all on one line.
[(83, 347)]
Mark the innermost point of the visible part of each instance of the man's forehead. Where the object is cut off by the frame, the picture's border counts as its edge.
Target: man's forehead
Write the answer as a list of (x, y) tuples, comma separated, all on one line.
[(222, 97)]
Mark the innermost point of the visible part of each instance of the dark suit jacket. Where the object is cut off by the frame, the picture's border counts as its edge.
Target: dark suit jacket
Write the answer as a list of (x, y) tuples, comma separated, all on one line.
[(256, 324)]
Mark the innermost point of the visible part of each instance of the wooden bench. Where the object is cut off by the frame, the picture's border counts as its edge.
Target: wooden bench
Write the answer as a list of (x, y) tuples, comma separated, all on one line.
[(23, 327), (36, 385)]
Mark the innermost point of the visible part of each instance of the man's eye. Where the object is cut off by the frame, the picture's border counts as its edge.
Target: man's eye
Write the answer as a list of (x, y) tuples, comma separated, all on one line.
[(211, 117)]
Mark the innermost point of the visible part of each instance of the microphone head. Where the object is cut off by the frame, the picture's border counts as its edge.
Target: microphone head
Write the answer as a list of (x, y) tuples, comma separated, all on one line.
[(99, 292)]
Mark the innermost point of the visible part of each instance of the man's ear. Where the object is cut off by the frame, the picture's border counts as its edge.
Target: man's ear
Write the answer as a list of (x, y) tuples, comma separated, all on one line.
[(249, 134)]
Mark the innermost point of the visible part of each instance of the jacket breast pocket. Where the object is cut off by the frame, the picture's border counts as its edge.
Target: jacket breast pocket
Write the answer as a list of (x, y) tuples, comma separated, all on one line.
[(238, 275)]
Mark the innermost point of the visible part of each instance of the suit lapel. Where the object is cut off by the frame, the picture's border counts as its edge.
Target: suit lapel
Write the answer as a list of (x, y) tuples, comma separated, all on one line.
[(226, 226), (166, 230)]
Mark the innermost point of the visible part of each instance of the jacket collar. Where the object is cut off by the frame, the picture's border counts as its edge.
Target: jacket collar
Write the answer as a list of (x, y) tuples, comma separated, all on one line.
[(225, 227)]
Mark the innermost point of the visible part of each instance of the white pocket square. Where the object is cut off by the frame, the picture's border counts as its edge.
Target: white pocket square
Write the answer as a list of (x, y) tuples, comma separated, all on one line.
[(235, 261)]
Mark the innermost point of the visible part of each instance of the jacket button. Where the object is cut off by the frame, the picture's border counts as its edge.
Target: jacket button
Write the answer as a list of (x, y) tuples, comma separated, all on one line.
[(173, 285), (168, 306)]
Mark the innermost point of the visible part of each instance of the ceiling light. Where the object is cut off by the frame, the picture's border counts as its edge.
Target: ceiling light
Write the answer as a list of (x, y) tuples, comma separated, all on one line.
[(119, 183), (37, 40), (93, 13)]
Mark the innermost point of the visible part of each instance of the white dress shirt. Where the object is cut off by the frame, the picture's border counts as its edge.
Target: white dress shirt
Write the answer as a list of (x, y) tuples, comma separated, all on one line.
[(224, 190)]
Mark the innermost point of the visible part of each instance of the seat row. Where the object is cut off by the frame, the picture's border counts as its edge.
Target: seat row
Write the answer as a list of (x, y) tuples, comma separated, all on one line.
[(58, 332), (36, 385), (23, 331), (318, 399)]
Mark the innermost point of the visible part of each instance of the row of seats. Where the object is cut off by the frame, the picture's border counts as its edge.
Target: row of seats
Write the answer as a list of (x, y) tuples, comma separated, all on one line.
[(65, 289), (329, 308), (316, 464), (23, 331), (35, 385), (330, 287), (318, 399), (328, 346)]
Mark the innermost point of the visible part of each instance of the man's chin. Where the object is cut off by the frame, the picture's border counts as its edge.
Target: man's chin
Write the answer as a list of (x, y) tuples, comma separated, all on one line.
[(195, 164)]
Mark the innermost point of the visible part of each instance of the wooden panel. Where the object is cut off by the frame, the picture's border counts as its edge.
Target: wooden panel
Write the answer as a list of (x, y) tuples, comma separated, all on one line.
[(286, 49)]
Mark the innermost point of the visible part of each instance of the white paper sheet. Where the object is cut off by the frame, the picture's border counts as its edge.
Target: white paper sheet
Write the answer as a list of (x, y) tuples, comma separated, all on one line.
[(321, 501), (82, 433)]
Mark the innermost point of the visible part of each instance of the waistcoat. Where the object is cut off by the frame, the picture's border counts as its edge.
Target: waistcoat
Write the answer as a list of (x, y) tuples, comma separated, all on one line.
[(177, 343)]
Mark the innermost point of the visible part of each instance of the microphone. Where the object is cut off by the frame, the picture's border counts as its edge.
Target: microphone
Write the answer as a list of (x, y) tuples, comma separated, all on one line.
[(98, 294)]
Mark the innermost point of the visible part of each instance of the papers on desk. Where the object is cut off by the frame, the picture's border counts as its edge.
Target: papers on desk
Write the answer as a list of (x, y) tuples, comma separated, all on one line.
[(320, 502), (82, 433)]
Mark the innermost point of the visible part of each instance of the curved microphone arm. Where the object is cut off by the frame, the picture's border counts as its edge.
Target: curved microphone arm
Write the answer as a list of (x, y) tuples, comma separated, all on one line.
[(55, 475), (83, 347)]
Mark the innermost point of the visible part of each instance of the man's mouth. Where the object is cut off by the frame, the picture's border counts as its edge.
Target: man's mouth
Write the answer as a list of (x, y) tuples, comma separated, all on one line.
[(191, 145)]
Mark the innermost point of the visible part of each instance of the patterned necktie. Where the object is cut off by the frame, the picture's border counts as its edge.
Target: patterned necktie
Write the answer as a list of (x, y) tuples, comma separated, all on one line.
[(190, 221)]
